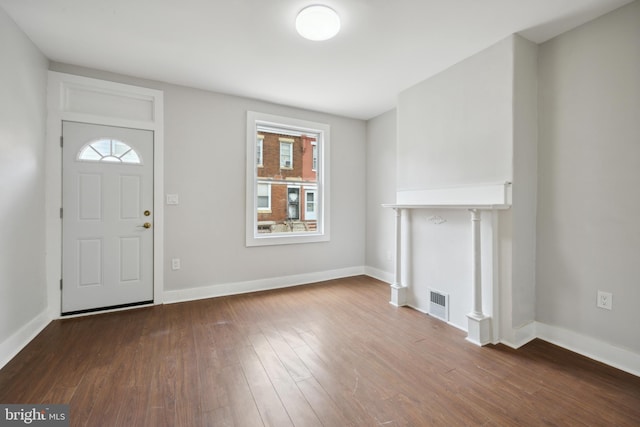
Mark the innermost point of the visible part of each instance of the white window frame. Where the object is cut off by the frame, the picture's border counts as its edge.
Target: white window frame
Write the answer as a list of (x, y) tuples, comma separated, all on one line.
[(118, 159), (293, 127)]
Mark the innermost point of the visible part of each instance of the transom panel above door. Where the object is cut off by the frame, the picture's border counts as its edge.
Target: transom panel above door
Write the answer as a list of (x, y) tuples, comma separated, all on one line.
[(107, 199)]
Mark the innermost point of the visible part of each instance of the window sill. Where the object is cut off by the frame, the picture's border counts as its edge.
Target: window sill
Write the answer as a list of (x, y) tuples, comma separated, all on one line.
[(270, 239)]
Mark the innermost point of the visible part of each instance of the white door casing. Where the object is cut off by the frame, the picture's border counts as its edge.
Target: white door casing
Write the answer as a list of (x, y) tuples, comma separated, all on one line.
[(107, 195)]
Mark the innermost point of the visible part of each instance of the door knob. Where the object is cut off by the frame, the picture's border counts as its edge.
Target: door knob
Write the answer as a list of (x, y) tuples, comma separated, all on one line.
[(145, 225)]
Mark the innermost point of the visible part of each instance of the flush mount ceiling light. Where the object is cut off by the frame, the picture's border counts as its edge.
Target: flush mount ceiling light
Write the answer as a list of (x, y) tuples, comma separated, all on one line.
[(317, 23)]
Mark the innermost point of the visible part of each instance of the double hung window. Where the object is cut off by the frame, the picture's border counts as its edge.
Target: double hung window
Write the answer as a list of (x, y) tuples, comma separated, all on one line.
[(287, 180), (286, 153)]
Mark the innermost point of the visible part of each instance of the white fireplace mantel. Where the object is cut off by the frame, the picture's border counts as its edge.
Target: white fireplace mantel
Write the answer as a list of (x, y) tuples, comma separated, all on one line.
[(472, 198), (480, 196), (451, 206)]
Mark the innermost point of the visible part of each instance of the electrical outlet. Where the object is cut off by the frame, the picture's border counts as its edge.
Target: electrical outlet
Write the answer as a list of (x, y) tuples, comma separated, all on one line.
[(605, 300), (175, 264)]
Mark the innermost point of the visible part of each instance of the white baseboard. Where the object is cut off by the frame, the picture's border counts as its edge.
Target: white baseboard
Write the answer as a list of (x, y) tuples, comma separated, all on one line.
[(224, 289), (517, 337), (19, 340), (592, 348), (381, 275)]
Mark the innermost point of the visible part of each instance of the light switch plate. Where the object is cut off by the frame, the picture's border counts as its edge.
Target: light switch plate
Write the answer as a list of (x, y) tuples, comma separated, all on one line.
[(173, 199)]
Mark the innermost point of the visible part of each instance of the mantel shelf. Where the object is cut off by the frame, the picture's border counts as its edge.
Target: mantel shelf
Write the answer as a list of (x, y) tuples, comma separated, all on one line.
[(477, 196), (446, 206)]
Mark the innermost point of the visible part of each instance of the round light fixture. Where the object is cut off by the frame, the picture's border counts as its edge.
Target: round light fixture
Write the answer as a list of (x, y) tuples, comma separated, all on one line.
[(317, 22)]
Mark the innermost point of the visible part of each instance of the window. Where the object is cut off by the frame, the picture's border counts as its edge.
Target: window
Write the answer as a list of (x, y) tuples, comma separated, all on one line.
[(264, 196), (286, 153), (311, 202), (108, 150), (314, 161), (287, 181), (259, 145)]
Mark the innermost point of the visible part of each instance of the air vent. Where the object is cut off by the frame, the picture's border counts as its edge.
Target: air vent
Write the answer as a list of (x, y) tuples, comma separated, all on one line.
[(439, 305)]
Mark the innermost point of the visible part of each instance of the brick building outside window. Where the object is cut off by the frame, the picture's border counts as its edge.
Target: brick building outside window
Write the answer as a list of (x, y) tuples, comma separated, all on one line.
[(287, 183)]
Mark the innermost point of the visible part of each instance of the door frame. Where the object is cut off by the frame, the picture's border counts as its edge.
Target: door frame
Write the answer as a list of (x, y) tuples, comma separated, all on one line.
[(100, 102)]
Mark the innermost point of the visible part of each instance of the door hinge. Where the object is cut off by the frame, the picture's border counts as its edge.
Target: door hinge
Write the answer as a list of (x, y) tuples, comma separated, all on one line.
[(60, 284), (60, 213), (61, 140)]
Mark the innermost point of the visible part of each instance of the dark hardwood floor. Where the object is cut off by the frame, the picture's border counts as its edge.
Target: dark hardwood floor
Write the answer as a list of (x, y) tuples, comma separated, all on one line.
[(332, 354)]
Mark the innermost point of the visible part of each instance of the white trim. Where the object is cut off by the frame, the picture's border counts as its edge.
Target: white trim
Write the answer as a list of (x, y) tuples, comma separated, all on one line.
[(517, 337), (290, 126), (464, 196), (19, 340), (383, 276), (235, 288), (398, 295), (144, 109), (592, 348), (90, 145), (278, 129)]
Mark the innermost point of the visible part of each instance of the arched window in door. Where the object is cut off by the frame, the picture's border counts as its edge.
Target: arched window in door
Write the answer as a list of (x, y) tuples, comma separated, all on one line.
[(109, 150)]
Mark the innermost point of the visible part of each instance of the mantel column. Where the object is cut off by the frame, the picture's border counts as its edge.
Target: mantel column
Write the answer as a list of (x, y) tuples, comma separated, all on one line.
[(479, 325), (398, 290)]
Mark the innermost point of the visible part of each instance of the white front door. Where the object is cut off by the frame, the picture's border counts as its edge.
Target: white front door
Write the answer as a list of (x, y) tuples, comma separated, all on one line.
[(310, 205), (107, 198)]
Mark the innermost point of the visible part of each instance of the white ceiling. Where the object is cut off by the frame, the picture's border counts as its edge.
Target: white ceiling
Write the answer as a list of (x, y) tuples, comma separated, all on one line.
[(250, 47)]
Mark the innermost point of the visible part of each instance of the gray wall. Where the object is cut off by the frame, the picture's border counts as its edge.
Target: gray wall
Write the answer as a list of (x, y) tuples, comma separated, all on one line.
[(525, 173), (22, 212), (205, 146), (589, 171), (455, 128), (381, 188)]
